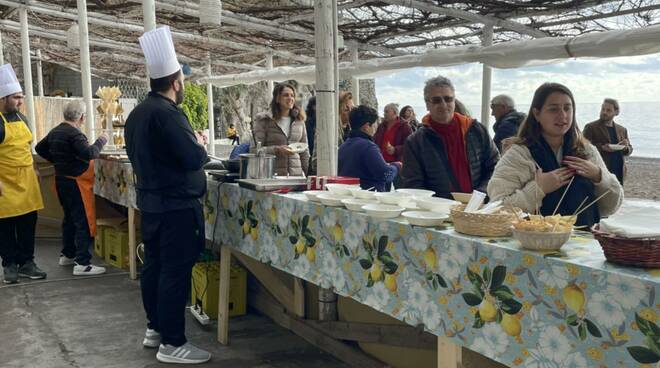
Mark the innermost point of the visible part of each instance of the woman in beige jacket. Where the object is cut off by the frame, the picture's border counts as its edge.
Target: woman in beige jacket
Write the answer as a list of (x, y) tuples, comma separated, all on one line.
[(549, 157), (284, 125)]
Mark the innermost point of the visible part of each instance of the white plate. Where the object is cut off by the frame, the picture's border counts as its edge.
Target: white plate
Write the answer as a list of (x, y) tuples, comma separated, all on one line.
[(331, 199), (312, 195), (360, 193), (355, 204), (436, 204), (393, 197), (424, 218), (382, 210), (616, 147), (417, 192), (341, 189), (298, 147)]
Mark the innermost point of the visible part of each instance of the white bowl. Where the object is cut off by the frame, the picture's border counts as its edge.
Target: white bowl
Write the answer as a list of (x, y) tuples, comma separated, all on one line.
[(424, 218), (382, 210), (436, 204), (331, 199), (616, 147), (312, 195), (462, 197), (341, 189), (355, 204), (362, 194), (417, 192), (393, 197), (410, 205)]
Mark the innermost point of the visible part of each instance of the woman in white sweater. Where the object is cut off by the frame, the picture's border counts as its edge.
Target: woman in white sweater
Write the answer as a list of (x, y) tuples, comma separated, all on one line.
[(550, 153)]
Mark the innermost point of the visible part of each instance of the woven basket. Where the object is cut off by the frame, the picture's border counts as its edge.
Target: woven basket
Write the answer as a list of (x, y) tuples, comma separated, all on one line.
[(643, 253), (536, 240), (482, 224)]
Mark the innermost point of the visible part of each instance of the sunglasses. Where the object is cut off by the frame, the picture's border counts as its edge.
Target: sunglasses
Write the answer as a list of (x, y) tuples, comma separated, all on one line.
[(439, 99)]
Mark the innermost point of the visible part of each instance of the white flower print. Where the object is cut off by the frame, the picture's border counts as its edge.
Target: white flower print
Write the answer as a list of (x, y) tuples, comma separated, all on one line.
[(418, 241), (409, 314), (449, 267), (329, 219), (431, 316), (234, 198), (284, 213), (606, 310), (575, 360), (492, 342), (265, 203), (553, 345), (339, 281), (354, 232), (378, 297), (556, 276), (499, 254), (460, 251), (481, 346), (301, 267), (328, 268), (628, 292), (417, 296)]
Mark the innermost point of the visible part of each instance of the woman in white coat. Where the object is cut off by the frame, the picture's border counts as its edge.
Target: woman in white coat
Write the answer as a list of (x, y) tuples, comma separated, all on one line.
[(550, 153)]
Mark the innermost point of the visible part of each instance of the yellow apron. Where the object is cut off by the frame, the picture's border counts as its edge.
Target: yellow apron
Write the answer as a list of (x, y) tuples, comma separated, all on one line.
[(20, 187)]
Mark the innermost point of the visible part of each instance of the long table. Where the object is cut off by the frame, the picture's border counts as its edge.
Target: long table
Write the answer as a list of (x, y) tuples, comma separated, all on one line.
[(517, 307)]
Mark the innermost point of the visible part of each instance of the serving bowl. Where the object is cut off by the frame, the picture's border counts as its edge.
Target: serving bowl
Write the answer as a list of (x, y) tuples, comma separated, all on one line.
[(341, 189), (393, 197), (462, 197), (355, 204), (435, 204), (417, 192), (331, 199), (312, 195), (424, 218), (360, 193), (382, 210)]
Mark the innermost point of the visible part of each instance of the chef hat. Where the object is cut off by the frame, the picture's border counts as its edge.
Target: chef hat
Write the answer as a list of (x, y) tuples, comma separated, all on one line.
[(8, 81), (159, 51)]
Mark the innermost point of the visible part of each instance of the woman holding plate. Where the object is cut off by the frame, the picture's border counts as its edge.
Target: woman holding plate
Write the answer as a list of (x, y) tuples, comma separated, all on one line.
[(282, 132)]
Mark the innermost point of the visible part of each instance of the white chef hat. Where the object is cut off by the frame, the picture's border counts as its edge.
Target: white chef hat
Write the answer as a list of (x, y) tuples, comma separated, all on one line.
[(8, 81), (158, 49)]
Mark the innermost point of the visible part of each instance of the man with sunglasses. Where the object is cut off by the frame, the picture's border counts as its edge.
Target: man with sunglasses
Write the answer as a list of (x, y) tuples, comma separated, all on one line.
[(66, 146), (450, 152), (167, 160)]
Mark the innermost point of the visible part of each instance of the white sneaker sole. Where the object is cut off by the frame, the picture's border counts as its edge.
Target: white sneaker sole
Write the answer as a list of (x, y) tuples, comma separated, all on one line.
[(151, 343), (88, 273), (163, 358), (31, 277), (67, 263)]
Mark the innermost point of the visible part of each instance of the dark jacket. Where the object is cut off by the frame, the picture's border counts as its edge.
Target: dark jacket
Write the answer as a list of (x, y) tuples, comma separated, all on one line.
[(507, 126), (68, 149), (360, 157), (425, 160), (400, 136), (596, 132), (166, 158)]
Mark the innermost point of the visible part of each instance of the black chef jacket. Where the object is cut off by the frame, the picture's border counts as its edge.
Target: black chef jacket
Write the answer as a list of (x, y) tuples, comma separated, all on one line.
[(167, 160)]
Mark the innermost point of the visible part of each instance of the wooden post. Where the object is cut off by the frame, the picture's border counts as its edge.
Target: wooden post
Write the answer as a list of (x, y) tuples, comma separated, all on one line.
[(487, 75), (132, 250), (85, 67), (269, 66), (355, 81), (298, 297), (40, 75), (223, 295), (449, 354), (2, 53), (209, 102), (27, 71)]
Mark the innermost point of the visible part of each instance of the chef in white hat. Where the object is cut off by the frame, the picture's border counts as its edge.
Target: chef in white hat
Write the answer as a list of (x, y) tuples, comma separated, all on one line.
[(168, 163), (20, 197)]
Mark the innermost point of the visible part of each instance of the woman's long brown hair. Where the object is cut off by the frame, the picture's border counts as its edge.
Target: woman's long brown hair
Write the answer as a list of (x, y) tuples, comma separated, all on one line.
[(296, 113)]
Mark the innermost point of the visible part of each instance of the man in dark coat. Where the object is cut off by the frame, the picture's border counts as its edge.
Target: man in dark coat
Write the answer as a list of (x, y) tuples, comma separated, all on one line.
[(167, 161), (507, 119)]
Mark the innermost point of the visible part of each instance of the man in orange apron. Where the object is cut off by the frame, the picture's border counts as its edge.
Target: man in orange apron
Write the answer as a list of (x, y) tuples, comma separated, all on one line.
[(68, 149), (20, 197)]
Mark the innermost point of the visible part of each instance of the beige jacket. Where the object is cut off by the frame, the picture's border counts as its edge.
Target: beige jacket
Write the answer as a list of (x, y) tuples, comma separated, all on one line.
[(513, 181), (271, 135)]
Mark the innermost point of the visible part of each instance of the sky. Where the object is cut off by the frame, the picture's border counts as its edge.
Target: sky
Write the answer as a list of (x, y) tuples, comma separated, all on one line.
[(628, 79)]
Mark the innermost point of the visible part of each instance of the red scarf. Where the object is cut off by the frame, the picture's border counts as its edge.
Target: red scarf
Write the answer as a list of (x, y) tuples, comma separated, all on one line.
[(389, 137), (453, 137)]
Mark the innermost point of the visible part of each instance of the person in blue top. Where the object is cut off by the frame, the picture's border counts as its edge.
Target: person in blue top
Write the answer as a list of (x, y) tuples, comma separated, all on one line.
[(360, 157)]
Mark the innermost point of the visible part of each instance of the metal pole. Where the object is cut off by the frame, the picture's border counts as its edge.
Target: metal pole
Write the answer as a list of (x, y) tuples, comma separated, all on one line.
[(85, 70), (355, 81), (40, 75), (2, 54), (209, 97), (487, 76), (269, 66), (27, 72)]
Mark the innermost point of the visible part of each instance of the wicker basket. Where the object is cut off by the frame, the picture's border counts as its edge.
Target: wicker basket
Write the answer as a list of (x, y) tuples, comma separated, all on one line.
[(482, 224), (536, 240), (643, 253)]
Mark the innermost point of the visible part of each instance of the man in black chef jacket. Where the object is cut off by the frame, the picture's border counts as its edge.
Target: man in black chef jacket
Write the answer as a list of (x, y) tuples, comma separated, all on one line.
[(167, 161)]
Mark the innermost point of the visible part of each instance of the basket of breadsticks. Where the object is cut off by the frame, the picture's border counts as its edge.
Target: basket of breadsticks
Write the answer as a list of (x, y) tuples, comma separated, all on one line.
[(538, 232), (495, 222)]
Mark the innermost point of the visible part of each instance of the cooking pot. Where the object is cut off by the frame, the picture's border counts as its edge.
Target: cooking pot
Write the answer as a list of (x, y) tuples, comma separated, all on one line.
[(257, 166)]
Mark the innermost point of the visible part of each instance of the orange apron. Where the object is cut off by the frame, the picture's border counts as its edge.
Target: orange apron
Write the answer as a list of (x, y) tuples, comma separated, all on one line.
[(85, 183)]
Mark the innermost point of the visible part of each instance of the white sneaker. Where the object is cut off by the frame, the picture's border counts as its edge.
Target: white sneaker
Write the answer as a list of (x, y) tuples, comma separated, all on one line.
[(87, 270), (184, 354), (151, 339), (66, 261)]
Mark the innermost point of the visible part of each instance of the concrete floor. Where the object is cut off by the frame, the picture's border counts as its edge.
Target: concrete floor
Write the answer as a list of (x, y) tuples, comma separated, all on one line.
[(99, 322)]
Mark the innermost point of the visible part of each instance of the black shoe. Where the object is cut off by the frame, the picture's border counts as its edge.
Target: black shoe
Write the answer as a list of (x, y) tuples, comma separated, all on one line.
[(11, 274), (31, 271)]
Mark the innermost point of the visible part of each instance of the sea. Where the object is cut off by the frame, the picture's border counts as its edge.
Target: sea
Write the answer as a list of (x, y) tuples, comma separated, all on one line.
[(642, 119)]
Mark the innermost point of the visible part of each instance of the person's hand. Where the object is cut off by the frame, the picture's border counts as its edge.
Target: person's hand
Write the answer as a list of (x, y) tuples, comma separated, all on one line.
[(283, 151), (553, 180), (390, 149), (200, 138), (104, 136), (606, 148), (584, 168)]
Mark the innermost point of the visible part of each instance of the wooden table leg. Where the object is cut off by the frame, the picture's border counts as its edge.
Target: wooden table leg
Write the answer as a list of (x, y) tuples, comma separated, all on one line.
[(132, 250), (298, 297), (449, 354), (223, 295)]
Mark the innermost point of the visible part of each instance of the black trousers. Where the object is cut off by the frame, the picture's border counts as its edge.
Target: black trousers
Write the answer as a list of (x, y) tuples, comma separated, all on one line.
[(172, 243), (17, 239), (76, 239), (235, 139)]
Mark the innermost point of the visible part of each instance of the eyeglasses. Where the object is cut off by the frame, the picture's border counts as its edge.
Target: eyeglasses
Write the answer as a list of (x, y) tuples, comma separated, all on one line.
[(439, 99)]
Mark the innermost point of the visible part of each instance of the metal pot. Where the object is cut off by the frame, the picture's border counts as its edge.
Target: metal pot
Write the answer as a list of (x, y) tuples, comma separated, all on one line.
[(257, 166)]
